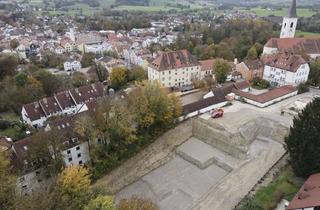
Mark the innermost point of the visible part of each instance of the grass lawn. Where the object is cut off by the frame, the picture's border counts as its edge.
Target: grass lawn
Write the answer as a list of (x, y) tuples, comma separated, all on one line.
[(11, 116), (284, 186), (266, 12), (307, 34)]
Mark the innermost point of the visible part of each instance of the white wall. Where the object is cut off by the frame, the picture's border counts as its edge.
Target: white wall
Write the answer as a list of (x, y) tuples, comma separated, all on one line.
[(175, 77), (288, 27), (262, 105), (29, 182), (284, 77), (76, 155), (204, 110)]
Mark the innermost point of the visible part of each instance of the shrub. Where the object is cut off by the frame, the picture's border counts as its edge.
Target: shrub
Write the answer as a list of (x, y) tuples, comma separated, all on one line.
[(303, 88), (260, 83)]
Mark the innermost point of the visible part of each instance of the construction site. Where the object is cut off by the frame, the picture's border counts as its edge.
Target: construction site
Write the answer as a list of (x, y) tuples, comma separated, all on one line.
[(224, 158), (206, 163)]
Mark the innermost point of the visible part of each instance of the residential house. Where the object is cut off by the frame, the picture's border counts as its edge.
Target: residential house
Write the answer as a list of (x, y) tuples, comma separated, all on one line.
[(64, 103), (175, 69), (207, 68), (250, 69), (72, 65), (285, 69), (308, 197)]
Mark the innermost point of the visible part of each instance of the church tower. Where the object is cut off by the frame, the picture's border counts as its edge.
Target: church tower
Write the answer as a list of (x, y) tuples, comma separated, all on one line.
[(289, 23)]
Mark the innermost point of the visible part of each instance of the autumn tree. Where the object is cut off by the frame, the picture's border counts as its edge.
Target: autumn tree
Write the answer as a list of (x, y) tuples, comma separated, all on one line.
[(252, 53), (73, 186), (79, 79), (221, 70), (87, 59), (118, 77), (14, 43), (101, 203), (137, 73), (7, 183), (51, 83), (303, 142), (135, 203), (8, 64), (153, 107), (45, 150)]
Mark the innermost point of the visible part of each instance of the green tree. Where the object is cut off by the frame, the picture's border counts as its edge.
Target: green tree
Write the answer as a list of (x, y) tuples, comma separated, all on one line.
[(7, 184), (21, 78), (303, 142), (101, 71), (314, 75), (252, 53), (137, 73), (118, 77), (221, 70), (74, 187), (101, 203)]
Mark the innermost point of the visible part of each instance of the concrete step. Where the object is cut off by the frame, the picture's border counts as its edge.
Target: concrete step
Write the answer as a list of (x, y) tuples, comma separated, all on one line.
[(203, 155)]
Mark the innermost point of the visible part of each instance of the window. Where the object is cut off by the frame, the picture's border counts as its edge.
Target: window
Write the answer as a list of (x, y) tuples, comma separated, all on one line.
[(80, 162), (79, 155), (70, 159), (68, 151), (291, 26), (78, 147)]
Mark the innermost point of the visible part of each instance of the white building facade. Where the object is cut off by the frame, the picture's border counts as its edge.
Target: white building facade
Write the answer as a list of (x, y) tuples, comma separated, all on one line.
[(175, 69), (286, 69)]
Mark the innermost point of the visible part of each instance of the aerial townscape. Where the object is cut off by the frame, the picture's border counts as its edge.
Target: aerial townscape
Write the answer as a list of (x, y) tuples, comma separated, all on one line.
[(159, 105)]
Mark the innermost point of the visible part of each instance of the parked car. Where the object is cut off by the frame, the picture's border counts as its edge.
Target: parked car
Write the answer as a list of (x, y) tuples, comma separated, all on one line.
[(217, 113)]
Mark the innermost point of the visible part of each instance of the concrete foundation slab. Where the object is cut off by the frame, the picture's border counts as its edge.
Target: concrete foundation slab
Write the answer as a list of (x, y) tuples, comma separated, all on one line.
[(175, 185), (203, 155)]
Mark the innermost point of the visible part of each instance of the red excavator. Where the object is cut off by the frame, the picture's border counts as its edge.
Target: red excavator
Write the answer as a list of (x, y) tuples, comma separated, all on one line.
[(217, 113)]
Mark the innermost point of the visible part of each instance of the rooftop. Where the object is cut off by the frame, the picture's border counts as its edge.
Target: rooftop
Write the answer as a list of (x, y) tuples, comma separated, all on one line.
[(309, 194)]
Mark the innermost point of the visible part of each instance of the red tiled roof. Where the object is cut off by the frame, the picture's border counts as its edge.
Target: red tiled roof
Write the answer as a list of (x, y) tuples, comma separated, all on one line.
[(267, 96), (173, 60), (49, 105), (241, 85), (34, 111), (309, 194), (87, 93), (308, 45), (253, 64), (283, 60), (207, 64), (64, 99)]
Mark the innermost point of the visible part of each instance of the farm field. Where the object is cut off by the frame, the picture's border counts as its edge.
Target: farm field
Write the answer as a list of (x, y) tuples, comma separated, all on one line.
[(266, 12), (307, 34), (155, 5)]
